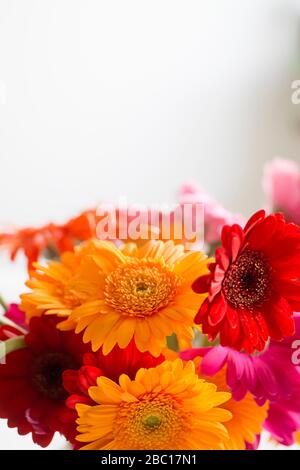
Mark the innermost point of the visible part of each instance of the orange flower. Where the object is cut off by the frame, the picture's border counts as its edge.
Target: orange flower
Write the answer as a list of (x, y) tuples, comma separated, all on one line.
[(117, 294), (144, 293), (52, 237), (166, 407), (247, 416), (53, 285)]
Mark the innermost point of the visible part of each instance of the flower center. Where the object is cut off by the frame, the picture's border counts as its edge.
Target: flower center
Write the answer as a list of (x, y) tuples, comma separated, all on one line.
[(141, 287), (247, 282), (154, 422), (47, 374)]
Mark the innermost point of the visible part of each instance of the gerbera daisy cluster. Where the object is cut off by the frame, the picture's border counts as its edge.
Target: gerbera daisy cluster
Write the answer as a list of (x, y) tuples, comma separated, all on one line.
[(149, 346)]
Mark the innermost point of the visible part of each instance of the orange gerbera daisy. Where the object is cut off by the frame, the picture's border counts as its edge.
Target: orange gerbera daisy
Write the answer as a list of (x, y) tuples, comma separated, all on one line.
[(53, 285), (143, 293), (117, 294), (53, 238), (247, 417), (166, 407)]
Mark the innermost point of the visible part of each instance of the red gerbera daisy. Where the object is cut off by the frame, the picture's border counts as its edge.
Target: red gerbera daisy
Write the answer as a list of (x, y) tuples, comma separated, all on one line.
[(253, 285), (8, 332), (117, 362), (32, 396)]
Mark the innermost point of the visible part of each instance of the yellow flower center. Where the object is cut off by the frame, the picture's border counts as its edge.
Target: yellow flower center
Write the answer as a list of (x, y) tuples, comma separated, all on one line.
[(154, 422), (141, 287)]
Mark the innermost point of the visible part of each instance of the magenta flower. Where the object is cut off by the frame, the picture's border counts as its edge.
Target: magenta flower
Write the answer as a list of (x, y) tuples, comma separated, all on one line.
[(281, 183), (284, 418), (254, 445), (215, 215), (273, 375), (16, 315)]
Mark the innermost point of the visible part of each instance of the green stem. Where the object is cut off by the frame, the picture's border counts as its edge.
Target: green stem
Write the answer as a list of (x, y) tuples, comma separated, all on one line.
[(6, 321), (11, 345), (3, 303)]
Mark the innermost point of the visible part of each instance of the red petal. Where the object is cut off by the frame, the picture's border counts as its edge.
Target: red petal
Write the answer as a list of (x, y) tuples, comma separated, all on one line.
[(262, 325), (236, 242), (290, 290), (70, 380), (232, 317), (73, 400), (222, 258), (202, 312), (87, 377), (281, 319), (254, 219), (201, 285), (229, 336), (250, 328), (217, 310)]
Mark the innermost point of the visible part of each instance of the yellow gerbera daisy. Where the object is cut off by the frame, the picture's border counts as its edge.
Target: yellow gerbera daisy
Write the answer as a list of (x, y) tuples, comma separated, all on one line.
[(123, 293), (53, 285), (247, 417), (166, 407)]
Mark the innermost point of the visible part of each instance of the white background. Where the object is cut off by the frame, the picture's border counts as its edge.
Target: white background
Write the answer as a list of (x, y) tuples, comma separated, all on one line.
[(106, 98)]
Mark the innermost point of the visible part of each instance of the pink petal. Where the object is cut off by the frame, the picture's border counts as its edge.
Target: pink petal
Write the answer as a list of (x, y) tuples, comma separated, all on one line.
[(214, 360)]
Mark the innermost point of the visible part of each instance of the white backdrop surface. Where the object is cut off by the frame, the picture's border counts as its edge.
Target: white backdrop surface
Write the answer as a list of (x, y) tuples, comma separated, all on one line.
[(101, 99)]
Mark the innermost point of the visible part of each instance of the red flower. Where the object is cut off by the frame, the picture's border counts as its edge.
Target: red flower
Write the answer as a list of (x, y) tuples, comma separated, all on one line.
[(32, 397), (117, 362), (9, 332), (253, 285)]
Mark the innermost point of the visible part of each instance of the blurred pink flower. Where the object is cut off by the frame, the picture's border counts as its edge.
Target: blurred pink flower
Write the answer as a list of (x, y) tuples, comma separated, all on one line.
[(269, 376), (284, 418), (16, 315), (215, 215), (281, 183)]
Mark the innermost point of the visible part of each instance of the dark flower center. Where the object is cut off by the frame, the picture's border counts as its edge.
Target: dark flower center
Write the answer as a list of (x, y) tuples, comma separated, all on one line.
[(47, 374), (248, 280)]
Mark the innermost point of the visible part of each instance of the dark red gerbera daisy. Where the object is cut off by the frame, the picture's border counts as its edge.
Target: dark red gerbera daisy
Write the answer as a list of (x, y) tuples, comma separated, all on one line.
[(9, 332), (253, 285), (32, 396), (117, 362)]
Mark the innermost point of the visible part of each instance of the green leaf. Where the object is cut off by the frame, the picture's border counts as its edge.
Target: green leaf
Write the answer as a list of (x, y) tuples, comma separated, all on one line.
[(6, 321), (11, 345), (172, 342), (3, 303)]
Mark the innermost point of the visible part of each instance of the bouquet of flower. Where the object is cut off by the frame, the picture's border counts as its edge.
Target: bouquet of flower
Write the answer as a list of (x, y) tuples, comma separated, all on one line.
[(144, 344)]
